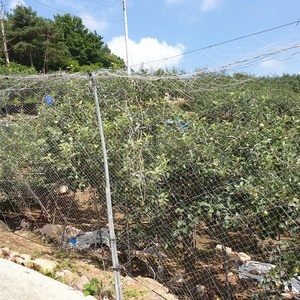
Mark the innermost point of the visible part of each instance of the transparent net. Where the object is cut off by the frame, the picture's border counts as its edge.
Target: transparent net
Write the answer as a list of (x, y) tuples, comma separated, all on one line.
[(204, 174)]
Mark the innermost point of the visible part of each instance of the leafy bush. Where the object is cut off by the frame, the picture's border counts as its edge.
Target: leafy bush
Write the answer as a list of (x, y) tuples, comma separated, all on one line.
[(14, 69), (228, 157)]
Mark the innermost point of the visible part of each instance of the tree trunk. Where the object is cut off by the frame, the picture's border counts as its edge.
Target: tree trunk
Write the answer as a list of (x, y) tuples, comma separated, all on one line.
[(45, 66), (31, 60), (3, 34)]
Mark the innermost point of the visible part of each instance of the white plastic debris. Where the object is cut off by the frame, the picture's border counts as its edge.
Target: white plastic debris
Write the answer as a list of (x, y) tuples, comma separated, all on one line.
[(257, 270), (254, 270), (92, 238)]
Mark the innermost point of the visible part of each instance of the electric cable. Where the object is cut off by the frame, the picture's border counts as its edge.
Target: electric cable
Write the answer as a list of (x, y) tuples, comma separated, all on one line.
[(64, 12), (221, 43)]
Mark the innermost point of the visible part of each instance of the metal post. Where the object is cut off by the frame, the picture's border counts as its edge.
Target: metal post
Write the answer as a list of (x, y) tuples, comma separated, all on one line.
[(113, 243), (126, 37)]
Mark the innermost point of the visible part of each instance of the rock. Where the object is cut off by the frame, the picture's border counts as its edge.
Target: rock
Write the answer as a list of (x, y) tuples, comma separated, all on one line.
[(228, 250), (177, 279), (52, 231), (66, 276), (28, 263), (200, 289), (238, 257), (3, 227), (25, 260), (45, 266), (19, 260), (25, 256), (80, 282), (5, 251), (243, 257), (13, 255), (63, 189)]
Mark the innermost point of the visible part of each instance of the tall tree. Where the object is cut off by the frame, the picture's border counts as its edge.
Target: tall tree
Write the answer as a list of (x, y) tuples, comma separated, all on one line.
[(50, 45), (55, 52), (35, 41), (24, 33), (86, 47), (3, 33)]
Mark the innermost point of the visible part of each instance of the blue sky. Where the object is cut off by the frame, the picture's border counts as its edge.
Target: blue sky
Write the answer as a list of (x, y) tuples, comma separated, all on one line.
[(161, 31)]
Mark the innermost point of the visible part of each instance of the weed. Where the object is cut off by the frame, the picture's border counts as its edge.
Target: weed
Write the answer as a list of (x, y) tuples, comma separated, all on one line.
[(130, 293), (96, 287)]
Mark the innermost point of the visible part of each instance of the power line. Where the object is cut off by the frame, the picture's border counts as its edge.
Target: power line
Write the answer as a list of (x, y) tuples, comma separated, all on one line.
[(239, 64), (114, 2), (107, 3), (64, 12), (221, 43)]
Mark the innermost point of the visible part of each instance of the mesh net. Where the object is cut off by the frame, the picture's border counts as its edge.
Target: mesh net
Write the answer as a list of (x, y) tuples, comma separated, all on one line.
[(204, 174)]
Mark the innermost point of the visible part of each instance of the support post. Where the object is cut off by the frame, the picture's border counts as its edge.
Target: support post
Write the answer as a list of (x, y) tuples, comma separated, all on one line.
[(113, 242), (126, 37)]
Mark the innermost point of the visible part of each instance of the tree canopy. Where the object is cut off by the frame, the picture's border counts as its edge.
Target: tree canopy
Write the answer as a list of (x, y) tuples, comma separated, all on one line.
[(49, 45)]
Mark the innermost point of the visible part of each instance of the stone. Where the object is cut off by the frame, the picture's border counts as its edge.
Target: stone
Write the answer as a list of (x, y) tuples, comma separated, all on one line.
[(52, 231), (178, 279), (80, 282), (200, 289), (28, 263), (63, 189), (13, 255), (45, 266), (5, 251), (66, 276), (25, 256), (219, 248), (19, 260), (243, 257), (26, 260)]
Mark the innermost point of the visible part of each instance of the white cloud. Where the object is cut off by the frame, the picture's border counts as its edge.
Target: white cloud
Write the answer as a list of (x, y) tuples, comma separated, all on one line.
[(14, 3), (272, 66), (207, 5), (93, 24), (147, 50)]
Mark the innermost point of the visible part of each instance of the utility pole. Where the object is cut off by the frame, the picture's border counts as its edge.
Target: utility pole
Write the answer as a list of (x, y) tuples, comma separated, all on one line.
[(126, 37), (3, 34)]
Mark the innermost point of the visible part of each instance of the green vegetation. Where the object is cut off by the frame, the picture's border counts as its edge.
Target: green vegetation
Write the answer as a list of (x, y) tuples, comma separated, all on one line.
[(131, 294), (96, 287), (226, 157), (45, 45)]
